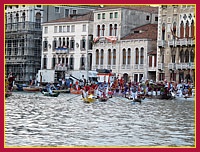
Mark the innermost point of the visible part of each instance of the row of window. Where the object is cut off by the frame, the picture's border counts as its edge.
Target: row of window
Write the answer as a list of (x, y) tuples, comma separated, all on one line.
[(63, 29), (57, 10), (126, 56), (69, 43), (112, 30), (111, 15), (185, 30)]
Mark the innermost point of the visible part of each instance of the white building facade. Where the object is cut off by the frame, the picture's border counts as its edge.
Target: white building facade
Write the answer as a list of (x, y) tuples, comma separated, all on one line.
[(113, 24), (66, 42)]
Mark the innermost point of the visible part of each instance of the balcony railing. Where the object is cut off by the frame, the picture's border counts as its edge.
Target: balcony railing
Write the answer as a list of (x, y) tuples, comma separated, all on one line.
[(182, 66), (185, 66), (62, 50), (61, 68), (160, 66), (161, 43), (183, 42), (171, 66)]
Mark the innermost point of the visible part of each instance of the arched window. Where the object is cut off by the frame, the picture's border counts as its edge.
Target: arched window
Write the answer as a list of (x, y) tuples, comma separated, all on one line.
[(109, 56), (53, 61), (38, 20), (115, 30), (97, 57), (173, 55), (59, 42), (111, 30), (187, 29), (142, 56), (54, 43), (63, 42), (192, 29), (162, 55), (82, 63), (45, 62), (192, 56), (136, 56), (17, 18), (71, 62), (129, 56), (182, 55), (11, 21), (23, 19), (174, 29), (124, 56), (163, 31), (186, 56), (181, 30), (67, 42), (98, 30), (101, 59), (114, 56), (103, 30)]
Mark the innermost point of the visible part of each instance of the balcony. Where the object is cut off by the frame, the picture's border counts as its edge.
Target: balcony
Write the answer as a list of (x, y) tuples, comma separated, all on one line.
[(172, 43), (182, 66), (61, 68), (171, 66), (160, 66), (191, 42), (183, 42), (139, 66), (62, 50), (162, 43), (152, 68)]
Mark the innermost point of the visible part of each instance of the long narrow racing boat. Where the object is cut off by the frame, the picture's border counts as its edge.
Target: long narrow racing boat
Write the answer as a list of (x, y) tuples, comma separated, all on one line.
[(31, 89)]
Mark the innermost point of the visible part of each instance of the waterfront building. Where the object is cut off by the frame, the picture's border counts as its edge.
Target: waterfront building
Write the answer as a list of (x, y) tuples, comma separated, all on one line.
[(176, 43), (23, 35), (66, 44), (23, 40), (121, 42)]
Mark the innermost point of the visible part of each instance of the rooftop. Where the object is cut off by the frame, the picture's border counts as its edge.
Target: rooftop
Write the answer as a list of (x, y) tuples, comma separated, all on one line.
[(144, 8), (148, 31), (75, 17)]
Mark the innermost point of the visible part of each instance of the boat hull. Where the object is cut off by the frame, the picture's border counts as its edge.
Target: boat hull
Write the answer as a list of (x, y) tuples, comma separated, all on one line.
[(51, 95), (31, 89)]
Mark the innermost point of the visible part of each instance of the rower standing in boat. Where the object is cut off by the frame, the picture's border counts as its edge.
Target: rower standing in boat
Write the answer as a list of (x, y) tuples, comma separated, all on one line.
[(134, 91)]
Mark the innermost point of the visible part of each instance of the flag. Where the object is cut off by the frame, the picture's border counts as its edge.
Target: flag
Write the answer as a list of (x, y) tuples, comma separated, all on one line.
[(174, 35), (96, 39), (111, 39)]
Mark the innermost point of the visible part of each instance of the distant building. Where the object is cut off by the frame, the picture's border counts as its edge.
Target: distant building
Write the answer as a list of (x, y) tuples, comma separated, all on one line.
[(23, 40), (176, 43), (123, 37), (66, 43), (23, 35)]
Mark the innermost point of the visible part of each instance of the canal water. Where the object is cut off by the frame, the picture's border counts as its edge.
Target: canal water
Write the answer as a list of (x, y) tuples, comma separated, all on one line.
[(32, 119)]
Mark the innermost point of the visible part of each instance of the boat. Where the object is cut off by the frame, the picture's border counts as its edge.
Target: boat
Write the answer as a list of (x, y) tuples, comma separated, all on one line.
[(62, 91), (20, 86), (185, 98), (8, 94), (103, 99), (53, 94), (73, 91), (89, 99), (31, 89)]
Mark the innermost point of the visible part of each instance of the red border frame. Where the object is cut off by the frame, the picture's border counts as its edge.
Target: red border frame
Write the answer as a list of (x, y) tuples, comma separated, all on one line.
[(2, 149)]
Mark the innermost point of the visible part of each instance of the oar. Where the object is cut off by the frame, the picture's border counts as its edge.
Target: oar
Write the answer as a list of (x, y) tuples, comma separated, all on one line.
[(73, 97)]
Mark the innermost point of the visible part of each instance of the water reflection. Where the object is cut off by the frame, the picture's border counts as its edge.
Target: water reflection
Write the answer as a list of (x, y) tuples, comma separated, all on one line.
[(36, 120)]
